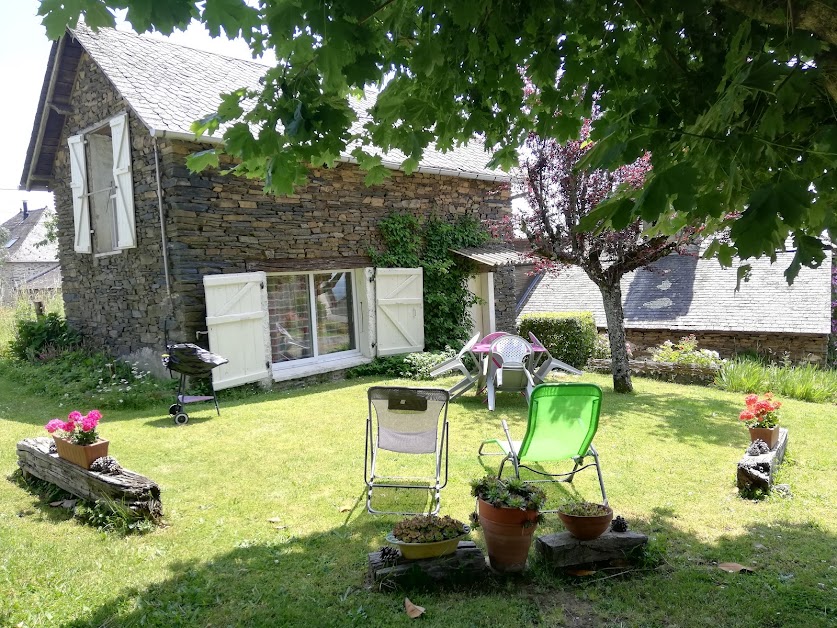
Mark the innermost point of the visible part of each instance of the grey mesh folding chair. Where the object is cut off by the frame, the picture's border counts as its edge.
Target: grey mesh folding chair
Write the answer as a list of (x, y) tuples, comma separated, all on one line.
[(406, 421), (548, 363), (456, 364), (507, 368), (563, 419)]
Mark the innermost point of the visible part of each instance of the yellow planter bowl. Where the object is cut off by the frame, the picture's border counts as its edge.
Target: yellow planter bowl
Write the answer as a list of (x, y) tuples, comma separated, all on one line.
[(434, 549)]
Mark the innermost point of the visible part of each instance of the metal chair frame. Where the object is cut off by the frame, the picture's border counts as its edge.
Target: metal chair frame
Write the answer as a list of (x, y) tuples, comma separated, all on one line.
[(511, 452), (441, 452)]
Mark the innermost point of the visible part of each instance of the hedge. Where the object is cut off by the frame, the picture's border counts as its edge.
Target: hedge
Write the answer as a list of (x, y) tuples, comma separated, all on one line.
[(569, 336)]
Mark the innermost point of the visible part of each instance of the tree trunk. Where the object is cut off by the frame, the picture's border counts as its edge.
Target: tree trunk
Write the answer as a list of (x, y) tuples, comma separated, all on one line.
[(612, 298)]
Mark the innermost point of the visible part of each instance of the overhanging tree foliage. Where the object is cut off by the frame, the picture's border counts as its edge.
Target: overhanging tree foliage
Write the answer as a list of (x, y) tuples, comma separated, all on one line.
[(735, 99), (560, 196)]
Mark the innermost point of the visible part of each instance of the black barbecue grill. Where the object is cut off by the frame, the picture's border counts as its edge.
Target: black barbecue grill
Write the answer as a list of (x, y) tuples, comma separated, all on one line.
[(190, 360)]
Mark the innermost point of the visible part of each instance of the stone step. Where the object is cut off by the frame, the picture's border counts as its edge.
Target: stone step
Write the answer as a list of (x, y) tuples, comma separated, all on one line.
[(564, 550)]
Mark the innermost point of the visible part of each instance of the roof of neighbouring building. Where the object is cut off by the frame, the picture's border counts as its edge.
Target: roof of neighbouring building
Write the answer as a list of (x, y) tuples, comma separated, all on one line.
[(687, 293), (493, 255), (169, 86), (46, 280), (25, 232)]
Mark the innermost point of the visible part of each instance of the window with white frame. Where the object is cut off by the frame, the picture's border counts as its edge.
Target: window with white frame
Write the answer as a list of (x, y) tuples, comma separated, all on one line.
[(102, 188), (312, 315)]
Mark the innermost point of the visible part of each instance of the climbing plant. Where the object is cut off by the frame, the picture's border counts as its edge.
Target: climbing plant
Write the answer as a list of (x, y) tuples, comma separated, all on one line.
[(411, 243)]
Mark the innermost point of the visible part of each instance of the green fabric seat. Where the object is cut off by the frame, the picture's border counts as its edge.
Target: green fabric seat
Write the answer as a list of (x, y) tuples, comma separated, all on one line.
[(563, 419)]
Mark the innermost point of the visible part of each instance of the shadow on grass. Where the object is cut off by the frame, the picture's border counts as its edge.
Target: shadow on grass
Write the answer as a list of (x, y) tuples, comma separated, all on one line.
[(682, 417), (320, 578)]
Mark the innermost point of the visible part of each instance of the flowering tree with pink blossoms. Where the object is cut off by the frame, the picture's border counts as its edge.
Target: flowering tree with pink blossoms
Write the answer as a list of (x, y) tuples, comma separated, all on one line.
[(560, 194)]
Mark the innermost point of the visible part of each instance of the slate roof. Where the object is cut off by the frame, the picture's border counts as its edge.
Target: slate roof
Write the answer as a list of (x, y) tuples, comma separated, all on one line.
[(26, 233), (686, 293), (47, 280), (169, 86)]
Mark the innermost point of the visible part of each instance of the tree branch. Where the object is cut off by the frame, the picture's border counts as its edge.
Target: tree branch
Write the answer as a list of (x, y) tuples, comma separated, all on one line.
[(815, 16)]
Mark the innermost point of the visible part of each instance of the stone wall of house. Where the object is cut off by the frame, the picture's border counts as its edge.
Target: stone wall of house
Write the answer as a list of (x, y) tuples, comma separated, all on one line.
[(222, 224), (727, 344), (505, 301), (118, 300)]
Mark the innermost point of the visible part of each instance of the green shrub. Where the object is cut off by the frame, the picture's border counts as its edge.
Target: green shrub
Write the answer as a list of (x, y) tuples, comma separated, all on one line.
[(686, 352), (742, 375), (601, 348), (569, 336), (409, 243), (804, 382), (34, 336), (91, 379), (407, 365)]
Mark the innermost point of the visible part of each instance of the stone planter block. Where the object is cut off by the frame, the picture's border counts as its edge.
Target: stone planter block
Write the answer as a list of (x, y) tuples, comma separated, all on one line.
[(564, 550), (757, 472)]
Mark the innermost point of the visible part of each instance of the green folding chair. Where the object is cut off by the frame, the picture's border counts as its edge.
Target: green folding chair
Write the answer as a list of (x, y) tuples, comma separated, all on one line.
[(563, 419)]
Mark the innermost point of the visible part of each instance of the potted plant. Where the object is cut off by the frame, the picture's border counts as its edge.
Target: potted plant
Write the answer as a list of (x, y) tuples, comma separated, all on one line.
[(427, 536), (761, 415), (76, 439), (508, 512), (585, 520)]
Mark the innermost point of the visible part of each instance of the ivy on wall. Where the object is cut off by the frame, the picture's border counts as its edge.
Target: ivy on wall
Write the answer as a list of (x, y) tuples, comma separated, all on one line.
[(411, 243)]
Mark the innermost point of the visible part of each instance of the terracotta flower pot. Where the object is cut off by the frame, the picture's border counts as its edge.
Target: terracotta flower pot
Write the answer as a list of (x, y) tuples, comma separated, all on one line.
[(82, 455), (508, 535), (769, 435), (586, 528)]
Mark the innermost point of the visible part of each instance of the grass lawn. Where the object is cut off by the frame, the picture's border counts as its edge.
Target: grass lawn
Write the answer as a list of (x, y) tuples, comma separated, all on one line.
[(265, 523)]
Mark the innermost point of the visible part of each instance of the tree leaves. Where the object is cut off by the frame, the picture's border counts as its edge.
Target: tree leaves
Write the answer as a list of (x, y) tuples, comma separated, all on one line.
[(201, 160), (732, 109)]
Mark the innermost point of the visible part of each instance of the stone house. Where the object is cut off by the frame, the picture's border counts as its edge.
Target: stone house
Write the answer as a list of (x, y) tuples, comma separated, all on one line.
[(282, 286), (686, 294), (25, 266)]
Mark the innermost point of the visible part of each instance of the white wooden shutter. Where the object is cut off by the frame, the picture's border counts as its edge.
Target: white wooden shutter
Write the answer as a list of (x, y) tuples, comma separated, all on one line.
[(237, 321), (399, 310), (78, 187), (124, 208)]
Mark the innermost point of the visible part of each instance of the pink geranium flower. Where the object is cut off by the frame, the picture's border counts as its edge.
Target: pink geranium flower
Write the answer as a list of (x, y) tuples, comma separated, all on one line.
[(78, 428), (54, 425)]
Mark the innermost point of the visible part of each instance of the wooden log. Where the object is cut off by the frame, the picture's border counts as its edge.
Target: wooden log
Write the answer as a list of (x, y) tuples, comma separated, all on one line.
[(465, 565), (135, 491), (564, 550), (757, 472)]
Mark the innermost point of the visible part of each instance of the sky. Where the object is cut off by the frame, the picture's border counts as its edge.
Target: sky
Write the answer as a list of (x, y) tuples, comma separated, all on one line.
[(24, 51)]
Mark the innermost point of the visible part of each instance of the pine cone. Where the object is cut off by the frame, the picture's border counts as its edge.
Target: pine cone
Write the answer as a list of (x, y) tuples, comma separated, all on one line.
[(758, 447), (619, 524), (389, 553), (107, 465)]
